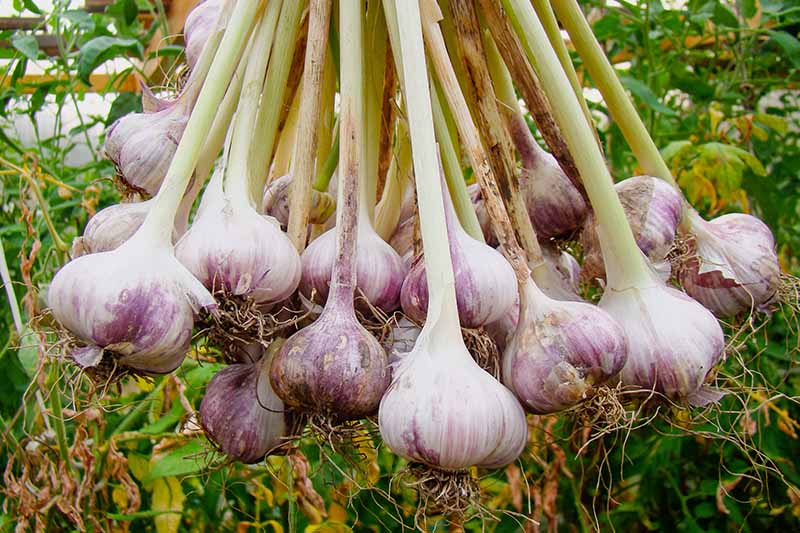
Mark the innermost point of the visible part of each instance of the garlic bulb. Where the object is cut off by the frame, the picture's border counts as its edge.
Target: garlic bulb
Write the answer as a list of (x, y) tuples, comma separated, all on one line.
[(276, 202), (559, 350), (230, 247), (379, 270), (242, 414), (653, 209), (673, 341), (483, 214), (732, 266), (486, 286), (198, 26), (135, 304), (141, 146), (443, 410), (112, 226)]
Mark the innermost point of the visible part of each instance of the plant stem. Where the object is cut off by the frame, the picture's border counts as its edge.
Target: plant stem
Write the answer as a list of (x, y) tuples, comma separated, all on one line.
[(605, 77), (287, 138), (351, 156), (58, 417), (238, 174), (548, 20), (140, 408), (374, 71), (331, 162), (5, 275), (325, 128), (442, 314), (528, 84), (495, 139), (462, 203), (159, 222), (306, 138), (272, 97), (387, 212), (616, 238)]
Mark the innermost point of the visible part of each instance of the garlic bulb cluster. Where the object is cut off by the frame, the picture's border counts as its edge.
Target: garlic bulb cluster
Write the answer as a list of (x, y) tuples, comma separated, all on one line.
[(141, 146), (673, 341), (486, 286), (233, 249), (653, 209), (732, 266), (444, 411), (135, 304), (241, 413), (560, 350), (379, 269), (198, 26)]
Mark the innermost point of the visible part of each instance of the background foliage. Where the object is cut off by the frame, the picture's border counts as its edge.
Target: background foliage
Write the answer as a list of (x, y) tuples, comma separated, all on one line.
[(717, 83)]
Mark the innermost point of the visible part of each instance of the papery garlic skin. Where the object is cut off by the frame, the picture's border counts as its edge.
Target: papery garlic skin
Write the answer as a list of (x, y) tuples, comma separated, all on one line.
[(486, 286), (232, 248), (141, 146), (653, 209), (379, 270), (555, 206), (559, 351), (732, 267), (402, 241), (276, 202), (443, 410), (673, 341), (334, 367), (482, 214), (199, 24), (136, 303), (112, 226), (242, 414), (401, 339)]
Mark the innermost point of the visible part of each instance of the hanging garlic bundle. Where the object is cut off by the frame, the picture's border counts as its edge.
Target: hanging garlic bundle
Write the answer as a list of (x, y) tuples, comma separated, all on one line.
[(732, 266), (653, 209), (438, 385), (334, 369), (136, 304), (198, 26), (261, 422), (231, 248), (486, 287), (142, 145), (673, 341)]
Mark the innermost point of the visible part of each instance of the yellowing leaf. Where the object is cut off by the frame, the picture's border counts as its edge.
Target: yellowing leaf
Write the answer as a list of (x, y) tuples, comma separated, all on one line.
[(168, 496), (139, 465), (120, 498), (328, 526), (275, 525), (337, 512)]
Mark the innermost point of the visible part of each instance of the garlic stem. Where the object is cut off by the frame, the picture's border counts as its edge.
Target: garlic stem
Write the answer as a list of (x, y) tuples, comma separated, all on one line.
[(548, 19), (387, 212), (471, 138), (238, 174), (605, 77), (331, 162), (452, 171), (306, 137), (272, 97), (351, 170), (326, 116), (374, 69), (617, 241), (287, 138), (157, 226), (11, 296), (442, 315)]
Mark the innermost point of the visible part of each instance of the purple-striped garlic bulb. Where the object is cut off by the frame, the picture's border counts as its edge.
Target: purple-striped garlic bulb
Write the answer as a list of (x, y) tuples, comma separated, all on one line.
[(732, 266), (200, 22), (559, 351), (486, 286), (653, 209), (242, 414)]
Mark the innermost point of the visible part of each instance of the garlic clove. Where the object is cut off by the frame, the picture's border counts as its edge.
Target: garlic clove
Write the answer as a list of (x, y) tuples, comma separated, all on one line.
[(379, 270), (443, 410), (334, 367), (137, 303), (241, 413), (653, 209), (559, 351), (673, 341), (732, 266)]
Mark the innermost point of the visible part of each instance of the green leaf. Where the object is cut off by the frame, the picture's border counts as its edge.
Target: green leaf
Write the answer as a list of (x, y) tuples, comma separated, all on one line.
[(789, 44), (28, 353), (26, 44), (126, 102), (723, 16), (100, 49), (674, 148), (190, 458), (645, 94), (31, 6)]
